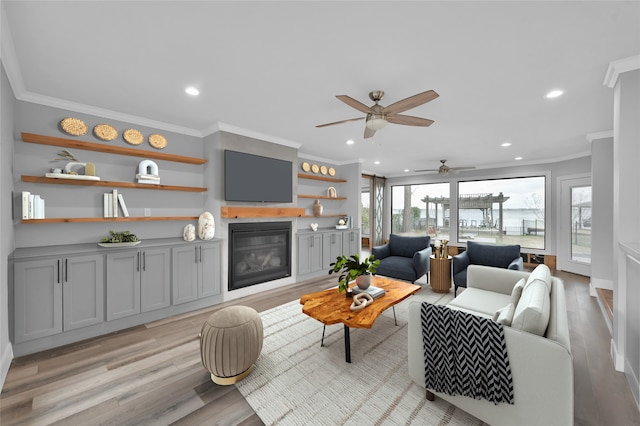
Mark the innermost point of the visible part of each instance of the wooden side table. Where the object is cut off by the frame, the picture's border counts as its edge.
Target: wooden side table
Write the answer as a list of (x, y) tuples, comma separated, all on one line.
[(440, 274)]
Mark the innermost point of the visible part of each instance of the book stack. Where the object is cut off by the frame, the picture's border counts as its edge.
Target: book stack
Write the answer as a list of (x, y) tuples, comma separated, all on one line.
[(111, 201), (32, 206), (373, 291)]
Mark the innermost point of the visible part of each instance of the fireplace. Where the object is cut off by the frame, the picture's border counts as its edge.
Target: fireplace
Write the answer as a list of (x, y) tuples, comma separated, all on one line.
[(258, 252)]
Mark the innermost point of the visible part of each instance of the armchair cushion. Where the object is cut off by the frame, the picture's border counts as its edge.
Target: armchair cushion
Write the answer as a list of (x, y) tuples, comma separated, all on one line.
[(497, 256), (405, 258)]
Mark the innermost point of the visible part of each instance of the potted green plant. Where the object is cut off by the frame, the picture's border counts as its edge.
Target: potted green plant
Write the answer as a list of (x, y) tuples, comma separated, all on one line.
[(352, 268)]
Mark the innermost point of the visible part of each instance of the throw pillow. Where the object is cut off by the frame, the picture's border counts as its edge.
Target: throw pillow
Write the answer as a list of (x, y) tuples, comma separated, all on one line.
[(504, 315), (517, 292), (542, 273), (534, 308)]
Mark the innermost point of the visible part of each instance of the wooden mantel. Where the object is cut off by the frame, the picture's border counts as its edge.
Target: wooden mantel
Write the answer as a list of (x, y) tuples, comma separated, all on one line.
[(230, 212)]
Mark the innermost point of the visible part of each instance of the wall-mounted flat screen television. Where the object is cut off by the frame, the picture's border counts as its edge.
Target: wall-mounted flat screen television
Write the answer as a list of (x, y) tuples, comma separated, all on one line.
[(254, 178)]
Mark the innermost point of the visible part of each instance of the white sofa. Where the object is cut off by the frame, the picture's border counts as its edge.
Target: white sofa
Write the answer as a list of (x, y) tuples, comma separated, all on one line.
[(541, 366)]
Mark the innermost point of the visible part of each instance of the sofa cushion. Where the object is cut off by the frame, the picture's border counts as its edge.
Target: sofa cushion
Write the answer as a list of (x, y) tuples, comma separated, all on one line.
[(504, 315), (517, 292), (533, 309), (481, 301), (407, 246), (541, 273)]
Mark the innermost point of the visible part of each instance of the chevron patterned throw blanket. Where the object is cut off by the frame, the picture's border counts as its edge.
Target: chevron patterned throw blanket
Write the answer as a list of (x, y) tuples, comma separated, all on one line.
[(465, 355)]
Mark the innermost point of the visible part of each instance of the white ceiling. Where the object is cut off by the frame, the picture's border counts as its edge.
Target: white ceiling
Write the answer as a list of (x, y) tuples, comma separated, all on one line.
[(273, 69)]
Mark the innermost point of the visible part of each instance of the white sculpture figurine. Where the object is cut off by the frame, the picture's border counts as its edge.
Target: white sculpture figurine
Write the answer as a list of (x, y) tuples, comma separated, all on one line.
[(148, 172)]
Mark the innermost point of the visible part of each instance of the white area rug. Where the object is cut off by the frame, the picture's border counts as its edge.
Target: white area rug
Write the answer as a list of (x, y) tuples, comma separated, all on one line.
[(296, 382)]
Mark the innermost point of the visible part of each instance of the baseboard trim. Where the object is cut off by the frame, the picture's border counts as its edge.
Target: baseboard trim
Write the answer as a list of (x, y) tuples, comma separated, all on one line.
[(602, 283), (5, 363)]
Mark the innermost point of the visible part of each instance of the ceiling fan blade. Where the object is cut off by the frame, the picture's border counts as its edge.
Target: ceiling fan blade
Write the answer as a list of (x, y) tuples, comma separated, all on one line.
[(428, 170), (411, 102), (368, 133), (339, 122), (355, 104), (409, 120), (459, 169)]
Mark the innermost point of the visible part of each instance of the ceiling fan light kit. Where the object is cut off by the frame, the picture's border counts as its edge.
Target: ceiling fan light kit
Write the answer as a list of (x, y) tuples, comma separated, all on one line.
[(376, 121), (378, 116)]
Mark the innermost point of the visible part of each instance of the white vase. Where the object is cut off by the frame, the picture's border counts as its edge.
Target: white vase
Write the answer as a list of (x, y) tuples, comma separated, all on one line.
[(363, 281), (206, 226)]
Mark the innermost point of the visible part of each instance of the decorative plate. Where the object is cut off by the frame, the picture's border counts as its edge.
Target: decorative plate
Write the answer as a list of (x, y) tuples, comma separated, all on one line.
[(157, 141), (105, 132), (323, 170), (306, 167), (332, 171), (129, 244), (315, 168), (133, 136), (73, 126)]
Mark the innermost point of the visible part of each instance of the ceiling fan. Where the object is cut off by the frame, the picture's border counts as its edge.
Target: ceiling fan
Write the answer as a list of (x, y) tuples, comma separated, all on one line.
[(444, 169), (378, 115)]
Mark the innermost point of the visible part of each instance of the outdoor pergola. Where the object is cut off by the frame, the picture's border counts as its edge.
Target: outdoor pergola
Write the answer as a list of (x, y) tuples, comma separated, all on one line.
[(482, 202)]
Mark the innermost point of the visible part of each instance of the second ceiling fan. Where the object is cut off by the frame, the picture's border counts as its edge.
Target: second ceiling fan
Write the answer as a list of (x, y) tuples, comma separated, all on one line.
[(378, 115), (444, 170)]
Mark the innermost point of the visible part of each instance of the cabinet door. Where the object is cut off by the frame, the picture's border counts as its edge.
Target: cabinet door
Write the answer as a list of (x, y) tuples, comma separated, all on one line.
[(210, 282), (331, 247), (184, 282), (351, 243), (123, 284), (37, 299), (155, 279), (309, 253), (83, 291)]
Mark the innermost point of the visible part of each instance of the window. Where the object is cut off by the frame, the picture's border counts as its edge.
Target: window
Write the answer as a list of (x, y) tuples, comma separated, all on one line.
[(420, 210), (503, 211)]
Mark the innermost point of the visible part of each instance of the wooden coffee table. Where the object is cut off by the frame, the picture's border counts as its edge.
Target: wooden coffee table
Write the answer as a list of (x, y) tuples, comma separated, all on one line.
[(331, 307)]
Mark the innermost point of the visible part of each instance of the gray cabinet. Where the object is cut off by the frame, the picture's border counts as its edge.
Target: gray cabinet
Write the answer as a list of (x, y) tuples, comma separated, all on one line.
[(309, 253), (137, 281), (351, 242), (331, 247), (53, 295), (196, 272)]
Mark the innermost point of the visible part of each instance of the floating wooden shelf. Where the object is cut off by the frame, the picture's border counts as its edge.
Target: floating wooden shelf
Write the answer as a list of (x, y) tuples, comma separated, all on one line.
[(325, 215), (109, 149), (111, 184), (323, 178), (321, 197), (107, 219), (230, 212)]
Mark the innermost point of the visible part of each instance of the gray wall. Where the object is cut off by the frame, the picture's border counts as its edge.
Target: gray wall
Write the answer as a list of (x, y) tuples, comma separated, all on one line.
[(602, 212), (7, 101)]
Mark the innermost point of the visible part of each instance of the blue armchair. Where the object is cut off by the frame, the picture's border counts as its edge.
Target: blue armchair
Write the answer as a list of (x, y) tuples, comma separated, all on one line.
[(404, 258), (498, 256)]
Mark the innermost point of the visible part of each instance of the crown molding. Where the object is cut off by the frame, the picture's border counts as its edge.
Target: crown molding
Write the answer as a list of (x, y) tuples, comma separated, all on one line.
[(599, 135), (224, 127), (618, 67), (105, 113)]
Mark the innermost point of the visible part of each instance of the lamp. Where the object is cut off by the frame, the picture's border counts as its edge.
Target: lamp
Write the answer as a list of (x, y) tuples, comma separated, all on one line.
[(376, 121)]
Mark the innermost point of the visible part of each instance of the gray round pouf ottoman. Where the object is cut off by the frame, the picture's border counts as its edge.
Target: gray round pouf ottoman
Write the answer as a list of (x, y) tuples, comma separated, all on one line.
[(230, 342)]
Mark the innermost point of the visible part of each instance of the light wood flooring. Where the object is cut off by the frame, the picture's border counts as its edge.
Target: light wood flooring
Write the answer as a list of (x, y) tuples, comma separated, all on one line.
[(151, 374)]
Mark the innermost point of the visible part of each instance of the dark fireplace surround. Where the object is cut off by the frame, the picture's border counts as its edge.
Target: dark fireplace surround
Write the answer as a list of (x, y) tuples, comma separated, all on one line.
[(258, 252)]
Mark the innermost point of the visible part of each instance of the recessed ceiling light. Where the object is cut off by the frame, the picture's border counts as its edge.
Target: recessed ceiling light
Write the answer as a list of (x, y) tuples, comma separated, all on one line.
[(406, 170), (192, 91), (376, 162), (554, 94), (518, 158), (350, 142), (505, 144)]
